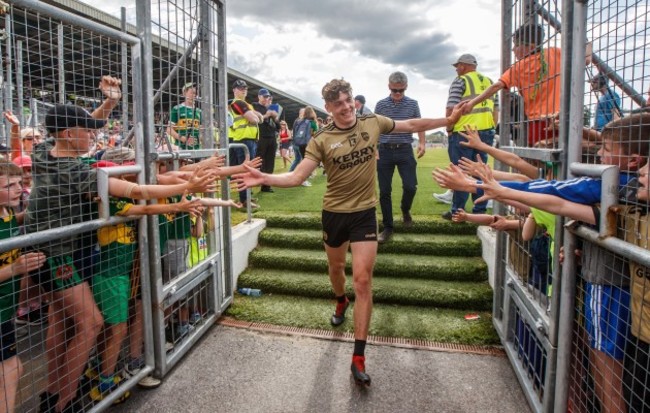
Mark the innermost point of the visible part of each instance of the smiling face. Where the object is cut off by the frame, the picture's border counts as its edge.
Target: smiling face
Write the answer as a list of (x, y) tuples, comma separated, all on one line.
[(10, 190), (342, 110)]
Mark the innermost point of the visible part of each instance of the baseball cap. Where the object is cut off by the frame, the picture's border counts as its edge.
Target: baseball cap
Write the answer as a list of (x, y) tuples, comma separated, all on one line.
[(23, 161), (188, 86), (467, 59), (62, 117), (361, 99), (264, 92), (239, 84)]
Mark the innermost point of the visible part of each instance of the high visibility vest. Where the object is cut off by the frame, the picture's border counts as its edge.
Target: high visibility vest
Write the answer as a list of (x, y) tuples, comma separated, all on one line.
[(481, 115), (241, 128)]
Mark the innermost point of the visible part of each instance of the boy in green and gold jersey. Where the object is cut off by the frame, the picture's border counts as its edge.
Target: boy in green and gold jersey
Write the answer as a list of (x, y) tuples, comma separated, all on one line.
[(13, 266)]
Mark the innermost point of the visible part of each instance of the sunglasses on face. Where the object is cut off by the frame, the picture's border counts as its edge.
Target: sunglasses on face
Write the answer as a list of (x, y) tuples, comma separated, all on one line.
[(397, 90)]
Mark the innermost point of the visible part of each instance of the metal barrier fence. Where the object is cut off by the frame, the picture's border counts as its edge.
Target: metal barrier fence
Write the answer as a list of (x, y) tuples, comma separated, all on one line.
[(121, 298), (575, 332)]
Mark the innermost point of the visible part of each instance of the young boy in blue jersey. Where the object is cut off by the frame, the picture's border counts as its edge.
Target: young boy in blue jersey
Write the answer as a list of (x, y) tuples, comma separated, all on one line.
[(607, 292), (13, 267)]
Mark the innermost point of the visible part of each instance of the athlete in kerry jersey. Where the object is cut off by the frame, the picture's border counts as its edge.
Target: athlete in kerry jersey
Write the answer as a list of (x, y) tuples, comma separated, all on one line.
[(347, 148)]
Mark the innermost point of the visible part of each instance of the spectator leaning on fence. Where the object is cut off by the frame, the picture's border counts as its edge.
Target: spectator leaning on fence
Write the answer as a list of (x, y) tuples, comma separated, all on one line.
[(63, 194), (13, 267), (536, 74), (608, 304)]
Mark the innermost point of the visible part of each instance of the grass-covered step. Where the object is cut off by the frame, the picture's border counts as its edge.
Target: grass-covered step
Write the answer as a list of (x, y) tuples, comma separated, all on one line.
[(387, 265), (441, 325), (404, 291), (420, 244), (422, 224)]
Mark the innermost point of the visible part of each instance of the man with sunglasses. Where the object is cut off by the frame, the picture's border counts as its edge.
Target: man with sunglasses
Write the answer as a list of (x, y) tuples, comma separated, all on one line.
[(396, 150)]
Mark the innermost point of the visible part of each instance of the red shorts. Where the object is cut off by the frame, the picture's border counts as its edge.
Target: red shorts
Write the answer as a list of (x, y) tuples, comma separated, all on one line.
[(539, 130)]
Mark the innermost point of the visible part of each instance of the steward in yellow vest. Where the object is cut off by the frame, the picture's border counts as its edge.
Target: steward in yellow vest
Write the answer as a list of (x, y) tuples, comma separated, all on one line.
[(481, 116)]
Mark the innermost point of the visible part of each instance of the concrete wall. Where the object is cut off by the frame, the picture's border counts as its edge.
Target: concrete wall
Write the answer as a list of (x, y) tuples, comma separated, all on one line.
[(244, 240), (488, 238)]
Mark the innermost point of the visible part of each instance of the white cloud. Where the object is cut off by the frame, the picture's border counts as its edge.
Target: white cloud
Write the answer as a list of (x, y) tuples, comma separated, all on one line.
[(299, 45)]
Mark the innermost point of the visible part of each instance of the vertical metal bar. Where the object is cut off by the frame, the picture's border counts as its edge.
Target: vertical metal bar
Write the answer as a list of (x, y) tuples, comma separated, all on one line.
[(561, 332), (207, 87), (143, 27), (499, 261), (125, 75), (61, 68), (8, 98), (19, 82), (4, 136), (207, 74), (222, 81)]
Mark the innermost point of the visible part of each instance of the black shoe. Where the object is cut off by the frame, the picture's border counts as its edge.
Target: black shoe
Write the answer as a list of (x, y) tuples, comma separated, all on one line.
[(358, 368), (447, 215), (385, 236), (339, 315), (267, 190), (407, 219)]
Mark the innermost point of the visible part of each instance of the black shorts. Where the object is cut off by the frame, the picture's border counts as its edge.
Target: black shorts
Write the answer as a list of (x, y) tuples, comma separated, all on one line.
[(354, 227), (7, 340)]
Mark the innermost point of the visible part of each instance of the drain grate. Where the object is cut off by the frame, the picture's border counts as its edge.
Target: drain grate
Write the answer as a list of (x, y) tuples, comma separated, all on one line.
[(401, 342)]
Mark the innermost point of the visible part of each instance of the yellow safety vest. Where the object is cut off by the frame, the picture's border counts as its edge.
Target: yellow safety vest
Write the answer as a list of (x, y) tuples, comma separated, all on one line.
[(481, 115), (241, 128)]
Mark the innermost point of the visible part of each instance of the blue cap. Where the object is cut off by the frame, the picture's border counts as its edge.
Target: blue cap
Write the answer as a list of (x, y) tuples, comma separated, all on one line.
[(264, 92)]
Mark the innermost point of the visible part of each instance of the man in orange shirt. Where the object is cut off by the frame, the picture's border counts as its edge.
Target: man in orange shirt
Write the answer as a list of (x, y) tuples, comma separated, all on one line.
[(536, 74)]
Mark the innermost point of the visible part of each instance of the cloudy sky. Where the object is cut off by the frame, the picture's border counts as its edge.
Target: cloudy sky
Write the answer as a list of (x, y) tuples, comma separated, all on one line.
[(299, 45)]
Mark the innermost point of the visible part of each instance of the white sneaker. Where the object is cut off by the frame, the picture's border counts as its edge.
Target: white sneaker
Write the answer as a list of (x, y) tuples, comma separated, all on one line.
[(149, 382), (306, 183), (445, 198)]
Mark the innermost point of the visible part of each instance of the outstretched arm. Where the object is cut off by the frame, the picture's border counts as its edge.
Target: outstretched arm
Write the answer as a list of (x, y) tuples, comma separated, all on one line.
[(253, 177), (15, 142), (111, 89), (469, 166), (454, 178), (425, 124), (193, 207), (216, 202), (488, 93), (201, 182), (474, 141), (553, 204)]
